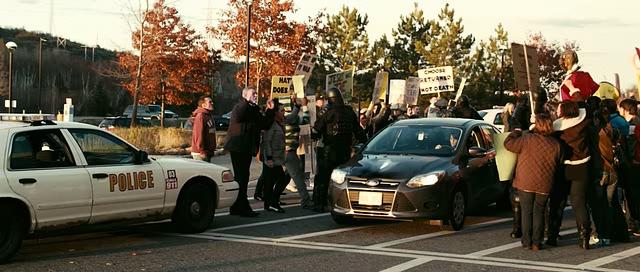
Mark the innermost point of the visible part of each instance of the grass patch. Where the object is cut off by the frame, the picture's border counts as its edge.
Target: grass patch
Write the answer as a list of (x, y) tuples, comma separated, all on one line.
[(161, 141)]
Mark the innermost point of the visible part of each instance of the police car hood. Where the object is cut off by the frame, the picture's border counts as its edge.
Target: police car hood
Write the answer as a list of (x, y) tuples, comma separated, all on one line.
[(185, 163), (395, 166)]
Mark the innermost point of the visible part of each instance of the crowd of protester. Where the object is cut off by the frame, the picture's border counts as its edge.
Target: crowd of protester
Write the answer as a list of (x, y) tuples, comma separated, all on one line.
[(583, 148)]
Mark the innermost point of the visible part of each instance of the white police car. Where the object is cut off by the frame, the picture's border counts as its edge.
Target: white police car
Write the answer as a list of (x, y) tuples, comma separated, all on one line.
[(59, 175)]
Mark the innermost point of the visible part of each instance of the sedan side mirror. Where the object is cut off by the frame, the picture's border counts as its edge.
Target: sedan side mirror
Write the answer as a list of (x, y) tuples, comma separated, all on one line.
[(358, 147), (476, 152), (140, 157)]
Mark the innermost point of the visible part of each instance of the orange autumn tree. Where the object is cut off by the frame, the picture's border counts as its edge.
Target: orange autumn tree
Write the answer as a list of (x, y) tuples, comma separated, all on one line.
[(176, 61), (276, 42)]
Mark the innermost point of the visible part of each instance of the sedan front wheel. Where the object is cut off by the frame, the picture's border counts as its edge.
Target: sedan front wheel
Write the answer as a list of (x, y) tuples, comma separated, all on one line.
[(457, 209)]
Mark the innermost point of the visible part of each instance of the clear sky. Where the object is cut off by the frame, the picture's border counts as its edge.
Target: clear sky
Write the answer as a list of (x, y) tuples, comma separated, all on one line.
[(607, 31)]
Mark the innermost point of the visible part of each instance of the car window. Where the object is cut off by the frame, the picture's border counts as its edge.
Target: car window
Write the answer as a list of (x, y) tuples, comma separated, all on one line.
[(415, 140), (155, 109), (498, 119), (40, 149), (101, 148), (487, 135), (474, 138), (482, 113)]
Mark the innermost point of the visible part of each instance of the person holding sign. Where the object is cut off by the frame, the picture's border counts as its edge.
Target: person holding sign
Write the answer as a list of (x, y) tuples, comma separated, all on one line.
[(575, 81), (539, 156), (463, 109)]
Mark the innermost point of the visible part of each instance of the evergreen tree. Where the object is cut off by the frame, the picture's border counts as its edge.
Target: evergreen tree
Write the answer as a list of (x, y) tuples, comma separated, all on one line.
[(344, 41), (410, 33), (446, 45)]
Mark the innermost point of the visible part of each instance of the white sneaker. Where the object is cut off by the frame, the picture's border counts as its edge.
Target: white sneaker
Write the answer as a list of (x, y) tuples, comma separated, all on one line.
[(595, 241), (292, 188)]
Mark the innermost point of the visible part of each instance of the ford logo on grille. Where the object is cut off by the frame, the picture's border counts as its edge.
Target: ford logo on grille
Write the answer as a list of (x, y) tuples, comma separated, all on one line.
[(373, 182)]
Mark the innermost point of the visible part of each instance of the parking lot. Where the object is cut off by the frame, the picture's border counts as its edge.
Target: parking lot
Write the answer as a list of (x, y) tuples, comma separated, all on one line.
[(301, 240)]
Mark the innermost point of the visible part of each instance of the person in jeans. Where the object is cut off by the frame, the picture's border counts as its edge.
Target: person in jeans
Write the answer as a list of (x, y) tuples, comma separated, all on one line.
[(203, 137), (292, 123), (273, 150), (539, 155)]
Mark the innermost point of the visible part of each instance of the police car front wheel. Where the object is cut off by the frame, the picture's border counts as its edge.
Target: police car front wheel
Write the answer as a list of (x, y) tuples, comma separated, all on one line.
[(195, 209)]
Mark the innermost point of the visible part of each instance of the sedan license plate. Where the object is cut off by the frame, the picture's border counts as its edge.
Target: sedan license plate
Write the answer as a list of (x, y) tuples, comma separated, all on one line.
[(370, 198)]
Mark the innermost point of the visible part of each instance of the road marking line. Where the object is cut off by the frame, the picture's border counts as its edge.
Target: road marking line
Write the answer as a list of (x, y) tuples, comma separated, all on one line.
[(268, 222), (437, 234), (408, 265), (611, 258), (457, 258), (319, 233), (497, 249)]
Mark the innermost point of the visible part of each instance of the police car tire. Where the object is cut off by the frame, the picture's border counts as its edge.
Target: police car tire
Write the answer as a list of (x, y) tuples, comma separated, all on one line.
[(11, 233), (457, 208), (195, 209)]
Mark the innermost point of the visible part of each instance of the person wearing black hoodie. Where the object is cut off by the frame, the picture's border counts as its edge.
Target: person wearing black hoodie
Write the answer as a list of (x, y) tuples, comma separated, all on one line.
[(463, 109)]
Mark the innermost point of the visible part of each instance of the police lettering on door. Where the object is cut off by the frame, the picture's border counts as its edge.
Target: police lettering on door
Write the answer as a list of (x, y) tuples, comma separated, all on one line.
[(131, 181)]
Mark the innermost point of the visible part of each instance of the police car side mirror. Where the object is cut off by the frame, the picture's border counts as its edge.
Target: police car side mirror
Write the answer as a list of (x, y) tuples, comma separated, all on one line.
[(140, 157)]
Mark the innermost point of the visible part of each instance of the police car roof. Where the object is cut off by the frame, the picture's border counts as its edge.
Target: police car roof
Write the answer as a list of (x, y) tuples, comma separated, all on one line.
[(456, 122)]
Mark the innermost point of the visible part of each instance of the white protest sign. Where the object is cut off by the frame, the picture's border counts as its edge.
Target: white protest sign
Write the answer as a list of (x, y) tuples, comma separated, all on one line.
[(396, 91), (435, 80), (305, 66), (412, 91), (343, 81), (381, 86)]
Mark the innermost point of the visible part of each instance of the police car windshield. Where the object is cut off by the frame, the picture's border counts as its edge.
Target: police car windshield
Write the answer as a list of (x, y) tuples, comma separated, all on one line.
[(415, 140)]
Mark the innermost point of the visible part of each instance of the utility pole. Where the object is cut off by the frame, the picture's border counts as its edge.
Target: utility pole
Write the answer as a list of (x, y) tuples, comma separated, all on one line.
[(40, 74), (501, 97)]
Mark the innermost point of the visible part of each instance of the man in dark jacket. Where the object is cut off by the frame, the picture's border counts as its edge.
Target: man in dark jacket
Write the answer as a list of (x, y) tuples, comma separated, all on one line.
[(522, 113), (337, 127), (242, 141), (203, 139)]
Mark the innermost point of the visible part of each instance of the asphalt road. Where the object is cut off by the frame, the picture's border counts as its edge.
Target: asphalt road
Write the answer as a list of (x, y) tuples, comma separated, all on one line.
[(302, 240)]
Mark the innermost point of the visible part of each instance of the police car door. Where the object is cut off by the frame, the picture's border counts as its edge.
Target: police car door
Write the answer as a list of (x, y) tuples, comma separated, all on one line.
[(122, 188), (41, 168)]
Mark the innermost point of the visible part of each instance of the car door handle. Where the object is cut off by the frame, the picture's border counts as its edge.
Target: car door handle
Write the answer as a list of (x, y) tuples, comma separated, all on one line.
[(100, 175), (27, 180)]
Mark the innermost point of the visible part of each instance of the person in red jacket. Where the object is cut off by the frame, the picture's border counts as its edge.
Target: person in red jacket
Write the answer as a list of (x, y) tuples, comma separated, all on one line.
[(203, 138), (575, 80)]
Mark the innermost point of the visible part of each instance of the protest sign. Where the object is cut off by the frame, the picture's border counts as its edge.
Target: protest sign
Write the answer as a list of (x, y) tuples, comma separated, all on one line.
[(343, 81), (436, 79), (282, 87), (298, 85), (305, 66), (381, 86), (411, 90), (396, 91), (505, 159)]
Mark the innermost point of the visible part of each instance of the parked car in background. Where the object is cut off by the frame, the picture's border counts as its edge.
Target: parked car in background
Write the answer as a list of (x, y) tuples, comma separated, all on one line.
[(110, 123), (494, 117), (222, 123), (149, 112)]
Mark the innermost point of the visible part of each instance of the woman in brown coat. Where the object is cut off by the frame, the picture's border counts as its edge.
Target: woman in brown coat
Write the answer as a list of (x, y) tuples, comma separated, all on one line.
[(538, 158)]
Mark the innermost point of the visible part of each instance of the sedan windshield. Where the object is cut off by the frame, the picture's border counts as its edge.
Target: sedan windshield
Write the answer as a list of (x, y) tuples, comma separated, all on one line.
[(415, 140)]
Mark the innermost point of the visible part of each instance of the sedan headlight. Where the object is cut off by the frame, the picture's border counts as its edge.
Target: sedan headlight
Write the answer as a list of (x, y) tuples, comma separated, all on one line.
[(338, 176), (426, 179)]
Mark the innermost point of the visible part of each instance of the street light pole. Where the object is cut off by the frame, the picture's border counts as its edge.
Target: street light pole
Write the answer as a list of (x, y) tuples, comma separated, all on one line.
[(40, 74), (246, 80), (11, 46)]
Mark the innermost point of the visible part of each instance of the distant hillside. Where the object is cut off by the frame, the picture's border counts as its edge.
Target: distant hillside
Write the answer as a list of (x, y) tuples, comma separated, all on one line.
[(69, 70)]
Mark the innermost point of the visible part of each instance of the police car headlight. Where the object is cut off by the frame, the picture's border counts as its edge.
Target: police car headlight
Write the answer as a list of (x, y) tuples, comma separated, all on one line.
[(338, 176), (426, 179)]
